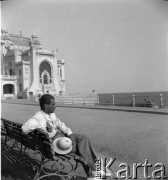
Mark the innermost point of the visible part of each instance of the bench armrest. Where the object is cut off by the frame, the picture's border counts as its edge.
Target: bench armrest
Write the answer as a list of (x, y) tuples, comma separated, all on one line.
[(42, 131)]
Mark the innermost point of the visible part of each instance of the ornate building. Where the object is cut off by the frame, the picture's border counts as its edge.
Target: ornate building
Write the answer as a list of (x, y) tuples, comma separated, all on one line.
[(27, 70)]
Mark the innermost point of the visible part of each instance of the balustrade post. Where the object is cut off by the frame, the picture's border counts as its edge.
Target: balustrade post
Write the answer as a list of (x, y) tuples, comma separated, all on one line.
[(84, 100), (161, 101), (133, 96), (72, 100), (97, 99), (62, 100), (113, 100)]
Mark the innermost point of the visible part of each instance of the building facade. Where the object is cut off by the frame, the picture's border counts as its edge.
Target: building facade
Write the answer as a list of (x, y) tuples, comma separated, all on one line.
[(28, 70)]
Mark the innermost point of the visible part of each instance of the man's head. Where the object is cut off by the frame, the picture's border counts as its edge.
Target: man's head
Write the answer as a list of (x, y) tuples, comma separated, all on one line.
[(47, 103)]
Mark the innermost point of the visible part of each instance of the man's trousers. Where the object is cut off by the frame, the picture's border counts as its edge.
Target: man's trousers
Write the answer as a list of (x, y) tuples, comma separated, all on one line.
[(85, 149)]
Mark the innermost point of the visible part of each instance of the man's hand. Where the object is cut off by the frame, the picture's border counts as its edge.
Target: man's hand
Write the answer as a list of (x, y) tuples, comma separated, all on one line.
[(73, 139), (41, 130), (72, 136)]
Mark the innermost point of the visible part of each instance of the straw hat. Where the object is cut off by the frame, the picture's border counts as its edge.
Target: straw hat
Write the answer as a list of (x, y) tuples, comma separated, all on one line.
[(62, 145)]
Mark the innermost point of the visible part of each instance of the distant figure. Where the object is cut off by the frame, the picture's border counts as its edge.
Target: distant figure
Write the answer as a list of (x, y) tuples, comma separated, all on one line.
[(148, 102)]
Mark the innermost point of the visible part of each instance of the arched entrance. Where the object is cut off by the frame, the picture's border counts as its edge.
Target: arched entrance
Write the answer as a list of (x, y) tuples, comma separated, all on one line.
[(45, 76), (45, 73), (8, 89)]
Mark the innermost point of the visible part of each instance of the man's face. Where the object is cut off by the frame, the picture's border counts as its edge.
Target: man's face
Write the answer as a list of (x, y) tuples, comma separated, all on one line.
[(51, 107)]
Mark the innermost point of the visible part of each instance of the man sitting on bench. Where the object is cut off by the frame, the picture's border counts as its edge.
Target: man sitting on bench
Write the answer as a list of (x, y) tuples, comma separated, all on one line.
[(46, 120)]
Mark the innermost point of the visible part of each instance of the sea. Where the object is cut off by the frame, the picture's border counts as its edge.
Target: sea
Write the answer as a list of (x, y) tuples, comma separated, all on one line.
[(139, 99)]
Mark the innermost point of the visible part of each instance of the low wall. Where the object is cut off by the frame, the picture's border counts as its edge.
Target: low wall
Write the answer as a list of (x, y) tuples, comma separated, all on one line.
[(148, 99)]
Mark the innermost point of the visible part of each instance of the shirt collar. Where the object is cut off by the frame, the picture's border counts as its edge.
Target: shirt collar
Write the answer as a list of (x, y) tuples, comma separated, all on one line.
[(45, 114)]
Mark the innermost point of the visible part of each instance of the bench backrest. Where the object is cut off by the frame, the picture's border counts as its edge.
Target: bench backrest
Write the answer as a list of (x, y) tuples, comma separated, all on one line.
[(35, 140), (13, 130)]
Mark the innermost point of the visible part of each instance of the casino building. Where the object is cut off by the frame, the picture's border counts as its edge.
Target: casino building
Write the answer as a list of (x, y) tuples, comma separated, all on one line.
[(28, 70)]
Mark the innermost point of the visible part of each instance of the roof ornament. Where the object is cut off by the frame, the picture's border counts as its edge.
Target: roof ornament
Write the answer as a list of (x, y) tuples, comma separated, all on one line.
[(34, 36), (6, 42), (55, 51), (5, 36), (35, 42)]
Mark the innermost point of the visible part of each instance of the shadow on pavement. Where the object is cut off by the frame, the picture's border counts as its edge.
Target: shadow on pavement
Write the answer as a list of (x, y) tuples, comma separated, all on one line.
[(14, 167)]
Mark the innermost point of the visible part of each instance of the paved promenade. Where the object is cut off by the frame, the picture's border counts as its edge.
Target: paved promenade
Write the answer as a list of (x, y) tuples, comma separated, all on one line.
[(163, 110), (129, 134)]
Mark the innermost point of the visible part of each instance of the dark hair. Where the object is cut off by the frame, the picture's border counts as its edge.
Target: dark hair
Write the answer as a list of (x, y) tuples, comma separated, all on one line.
[(45, 99)]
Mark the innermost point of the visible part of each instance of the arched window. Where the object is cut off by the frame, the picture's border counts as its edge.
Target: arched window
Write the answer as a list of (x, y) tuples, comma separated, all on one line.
[(45, 66), (45, 73), (45, 79), (10, 67)]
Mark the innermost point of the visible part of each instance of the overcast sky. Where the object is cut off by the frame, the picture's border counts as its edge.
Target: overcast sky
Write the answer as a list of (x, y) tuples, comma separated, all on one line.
[(108, 45)]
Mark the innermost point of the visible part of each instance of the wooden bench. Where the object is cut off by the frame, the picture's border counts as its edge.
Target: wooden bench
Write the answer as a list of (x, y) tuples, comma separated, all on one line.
[(41, 143)]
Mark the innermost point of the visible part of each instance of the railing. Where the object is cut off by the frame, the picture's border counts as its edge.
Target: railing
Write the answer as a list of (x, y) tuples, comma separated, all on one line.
[(157, 100), (146, 100), (87, 99)]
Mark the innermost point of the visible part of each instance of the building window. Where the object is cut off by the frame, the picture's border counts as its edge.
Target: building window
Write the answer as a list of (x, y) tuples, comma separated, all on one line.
[(20, 72), (45, 79), (10, 72), (26, 70), (20, 87), (30, 93), (8, 89), (61, 73)]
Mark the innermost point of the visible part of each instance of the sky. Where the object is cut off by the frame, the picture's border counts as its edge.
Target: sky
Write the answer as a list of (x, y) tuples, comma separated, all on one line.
[(109, 46)]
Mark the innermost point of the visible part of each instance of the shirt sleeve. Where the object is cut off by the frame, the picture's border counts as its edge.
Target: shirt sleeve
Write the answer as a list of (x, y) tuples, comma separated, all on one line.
[(32, 124), (60, 125)]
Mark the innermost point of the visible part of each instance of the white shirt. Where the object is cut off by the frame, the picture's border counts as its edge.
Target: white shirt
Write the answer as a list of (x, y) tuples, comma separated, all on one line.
[(40, 119)]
